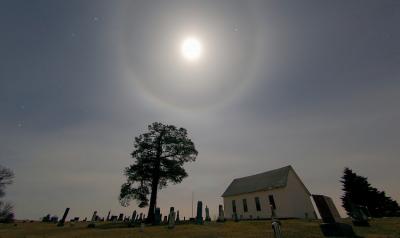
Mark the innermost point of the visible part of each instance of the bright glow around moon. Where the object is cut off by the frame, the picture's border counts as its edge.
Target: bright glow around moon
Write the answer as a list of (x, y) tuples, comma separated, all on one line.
[(191, 49)]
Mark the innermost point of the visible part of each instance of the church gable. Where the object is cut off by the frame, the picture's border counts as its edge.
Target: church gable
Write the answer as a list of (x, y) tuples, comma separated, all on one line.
[(269, 180)]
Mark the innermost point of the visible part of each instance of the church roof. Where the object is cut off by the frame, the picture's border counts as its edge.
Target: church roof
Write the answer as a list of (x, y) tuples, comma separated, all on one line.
[(272, 179)]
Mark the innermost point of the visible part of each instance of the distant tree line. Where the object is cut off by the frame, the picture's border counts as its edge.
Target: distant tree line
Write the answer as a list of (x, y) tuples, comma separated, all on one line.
[(358, 192), (6, 209)]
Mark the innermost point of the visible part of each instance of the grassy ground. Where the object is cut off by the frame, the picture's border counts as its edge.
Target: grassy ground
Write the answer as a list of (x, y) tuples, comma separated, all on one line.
[(386, 227)]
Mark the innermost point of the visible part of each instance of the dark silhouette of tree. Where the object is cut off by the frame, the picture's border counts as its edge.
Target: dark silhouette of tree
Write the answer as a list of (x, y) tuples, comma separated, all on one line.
[(358, 192), (6, 209), (6, 178), (6, 212), (158, 156)]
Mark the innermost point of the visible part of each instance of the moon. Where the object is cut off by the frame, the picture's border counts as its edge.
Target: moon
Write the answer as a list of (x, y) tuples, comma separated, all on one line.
[(191, 49)]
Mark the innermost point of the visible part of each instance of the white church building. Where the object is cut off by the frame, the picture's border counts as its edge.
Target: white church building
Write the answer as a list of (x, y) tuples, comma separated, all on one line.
[(253, 196)]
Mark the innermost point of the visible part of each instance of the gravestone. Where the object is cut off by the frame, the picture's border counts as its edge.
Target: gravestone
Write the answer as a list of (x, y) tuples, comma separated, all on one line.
[(157, 216), (199, 217), (221, 216), (113, 218), (62, 221), (327, 209), (76, 219), (276, 224), (208, 218), (331, 225), (94, 216), (133, 216), (276, 227), (54, 219), (121, 217), (177, 217), (108, 216), (141, 217), (93, 220), (165, 220), (47, 218), (359, 215), (171, 218)]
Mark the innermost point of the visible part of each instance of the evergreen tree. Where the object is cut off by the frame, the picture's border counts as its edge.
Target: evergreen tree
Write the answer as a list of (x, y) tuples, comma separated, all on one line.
[(357, 191)]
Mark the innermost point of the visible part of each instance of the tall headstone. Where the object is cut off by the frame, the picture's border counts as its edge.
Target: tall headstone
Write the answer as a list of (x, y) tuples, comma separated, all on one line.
[(62, 221), (121, 217), (141, 217), (94, 216), (221, 216), (177, 217), (171, 218), (157, 216), (208, 218), (108, 216), (133, 216), (165, 221), (199, 217), (327, 209), (331, 225)]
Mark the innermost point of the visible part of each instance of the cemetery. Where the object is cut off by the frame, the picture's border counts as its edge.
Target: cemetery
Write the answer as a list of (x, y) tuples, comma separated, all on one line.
[(385, 227), (282, 118), (239, 220)]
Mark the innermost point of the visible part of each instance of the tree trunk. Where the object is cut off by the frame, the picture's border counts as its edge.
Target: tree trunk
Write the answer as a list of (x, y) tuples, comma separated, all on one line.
[(156, 180), (153, 200)]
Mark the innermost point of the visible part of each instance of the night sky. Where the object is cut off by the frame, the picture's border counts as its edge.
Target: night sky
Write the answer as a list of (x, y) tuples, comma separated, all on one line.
[(313, 84)]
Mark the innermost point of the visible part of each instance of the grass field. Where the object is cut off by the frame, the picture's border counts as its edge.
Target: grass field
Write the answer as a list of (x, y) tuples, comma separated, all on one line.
[(385, 227)]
